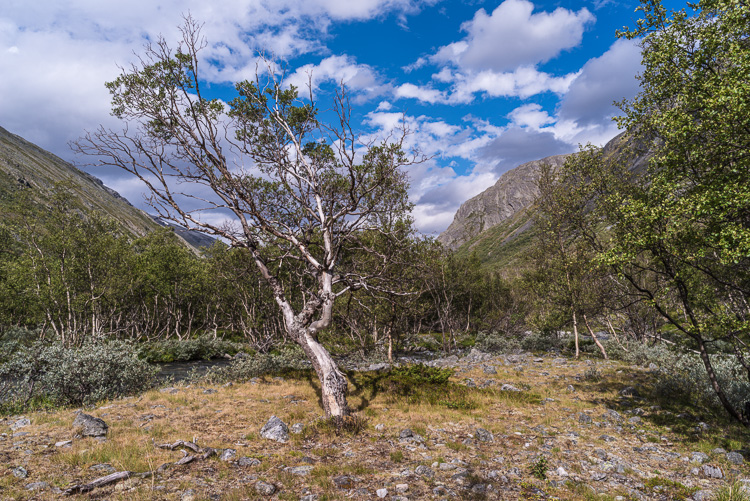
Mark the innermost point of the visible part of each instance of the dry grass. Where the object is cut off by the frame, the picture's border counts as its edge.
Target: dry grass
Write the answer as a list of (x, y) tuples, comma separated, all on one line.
[(526, 424)]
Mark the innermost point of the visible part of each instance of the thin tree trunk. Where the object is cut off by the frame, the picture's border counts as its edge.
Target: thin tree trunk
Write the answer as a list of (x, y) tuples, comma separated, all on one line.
[(614, 333), (575, 334), (593, 336), (333, 385)]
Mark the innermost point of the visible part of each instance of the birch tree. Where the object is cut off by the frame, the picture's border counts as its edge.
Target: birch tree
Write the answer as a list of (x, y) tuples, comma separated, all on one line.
[(297, 193)]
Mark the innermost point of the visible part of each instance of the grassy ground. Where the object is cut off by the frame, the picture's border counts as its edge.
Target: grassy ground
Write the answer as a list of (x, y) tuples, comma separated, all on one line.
[(542, 421)]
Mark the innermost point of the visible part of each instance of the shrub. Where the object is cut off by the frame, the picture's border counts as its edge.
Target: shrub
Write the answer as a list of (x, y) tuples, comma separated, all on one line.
[(289, 358), (539, 468), (542, 341), (175, 350), (74, 376), (497, 342)]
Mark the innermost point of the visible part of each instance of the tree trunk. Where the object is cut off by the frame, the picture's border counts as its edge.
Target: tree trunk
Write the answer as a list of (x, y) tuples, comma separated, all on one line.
[(575, 334), (593, 336), (333, 385)]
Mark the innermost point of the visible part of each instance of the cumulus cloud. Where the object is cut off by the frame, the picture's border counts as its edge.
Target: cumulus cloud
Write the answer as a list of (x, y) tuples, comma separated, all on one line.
[(358, 78), (585, 112), (518, 145), (513, 35)]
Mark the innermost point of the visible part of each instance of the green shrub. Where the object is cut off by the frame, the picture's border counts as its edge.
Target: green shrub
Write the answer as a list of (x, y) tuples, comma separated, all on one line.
[(74, 376), (497, 342), (419, 374), (289, 358), (539, 468), (176, 350), (542, 341)]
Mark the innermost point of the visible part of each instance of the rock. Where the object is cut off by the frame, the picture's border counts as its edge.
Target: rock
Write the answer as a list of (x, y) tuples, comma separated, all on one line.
[(297, 428), (699, 457), (379, 427), (559, 361), (264, 488), (488, 369), (227, 454), (36, 486), (653, 367), (402, 488), (613, 416), (508, 387), (90, 426), (378, 367), (344, 481), (712, 471), (275, 429), (424, 471), (104, 467), (188, 495), (248, 461), (561, 471), (300, 470), (584, 418), (64, 443), (635, 420), (629, 391), (20, 423), (381, 493), (718, 450), (483, 435), (735, 458), (309, 497), (407, 435), (607, 438), (571, 388), (20, 472), (702, 496), (601, 454)]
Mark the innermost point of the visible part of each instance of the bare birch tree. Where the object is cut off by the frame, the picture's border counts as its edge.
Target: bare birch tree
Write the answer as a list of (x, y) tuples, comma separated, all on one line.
[(300, 194)]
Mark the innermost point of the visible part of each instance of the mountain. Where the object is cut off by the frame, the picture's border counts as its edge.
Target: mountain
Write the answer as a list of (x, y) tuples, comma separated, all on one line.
[(497, 224), (511, 194), (24, 165)]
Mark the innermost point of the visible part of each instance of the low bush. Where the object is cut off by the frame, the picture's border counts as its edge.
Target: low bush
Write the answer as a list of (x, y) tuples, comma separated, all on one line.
[(497, 342), (176, 350), (73, 376), (542, 341), (288, 358), (682, 375)]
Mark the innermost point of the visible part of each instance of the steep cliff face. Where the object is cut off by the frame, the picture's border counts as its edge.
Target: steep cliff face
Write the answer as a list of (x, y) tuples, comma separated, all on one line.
[(513, 192)]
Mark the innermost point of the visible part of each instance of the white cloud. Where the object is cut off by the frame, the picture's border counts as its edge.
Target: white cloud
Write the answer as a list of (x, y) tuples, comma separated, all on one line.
[(424, 94), (530, 115), (358, 78), (513, 35)]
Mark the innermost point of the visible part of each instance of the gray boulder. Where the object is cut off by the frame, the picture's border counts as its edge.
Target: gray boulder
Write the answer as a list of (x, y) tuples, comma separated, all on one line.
[(90, 426), (275, 429), (735, 458), (483, 435), (20, 423)]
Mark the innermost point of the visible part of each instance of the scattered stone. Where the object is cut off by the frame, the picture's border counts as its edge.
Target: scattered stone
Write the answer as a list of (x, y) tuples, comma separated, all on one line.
[(90, 426), (402, 488), (635, 420), (104, 467), (488, 369), (309, 497), (378, 367), (248, 461), (699, 457), (735, 458), (712, 471), (381, 493), (20, 423), (344, 481), (407, 435), (483, 435), (169, 390), (607, 438), (719, 450), (300, 470), (508, 387), (264, 488), (228, 454), (559, 361), (275, 429), (601, 454), (571, 388), (36, 486), (297, 428), (210, 391), (629, 391), (561, 471), (584, 418), (613, 416), (653, 367), (424, 471), (702, 427), (702, 495), (20, 472), (64, 443)]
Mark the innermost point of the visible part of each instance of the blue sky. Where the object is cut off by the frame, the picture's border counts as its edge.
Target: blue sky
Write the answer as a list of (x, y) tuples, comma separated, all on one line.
[(484, 85)]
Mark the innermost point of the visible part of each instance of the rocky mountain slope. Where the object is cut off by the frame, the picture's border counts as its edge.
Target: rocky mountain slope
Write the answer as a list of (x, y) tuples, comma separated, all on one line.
[(24, 165), (513, 192)]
